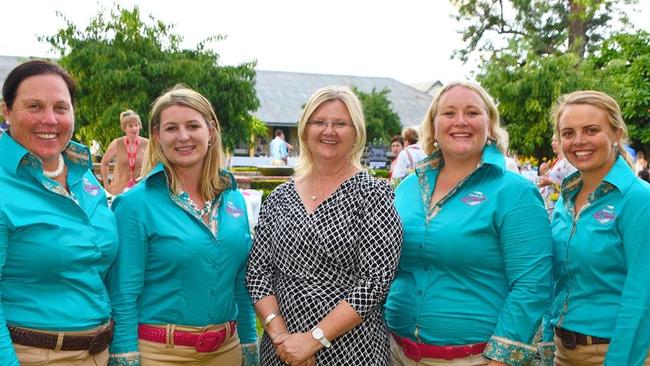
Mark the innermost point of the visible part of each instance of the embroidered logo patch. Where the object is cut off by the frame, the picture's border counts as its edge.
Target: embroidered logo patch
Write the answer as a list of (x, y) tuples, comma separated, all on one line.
[(232, 210), (90, 187), (605, 215), (474, 198)]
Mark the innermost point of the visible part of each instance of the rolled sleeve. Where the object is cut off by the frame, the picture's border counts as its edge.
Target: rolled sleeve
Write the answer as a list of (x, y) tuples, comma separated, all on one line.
[(380, 245)]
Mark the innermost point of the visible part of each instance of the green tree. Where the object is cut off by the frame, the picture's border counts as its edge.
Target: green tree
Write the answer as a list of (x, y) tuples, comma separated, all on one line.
[(537, 27), (120, 61), (623, 66), (382, 122)]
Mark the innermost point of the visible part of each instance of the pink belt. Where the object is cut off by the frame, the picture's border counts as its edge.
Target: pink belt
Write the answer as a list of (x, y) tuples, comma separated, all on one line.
[(415, 351), (208, 341)]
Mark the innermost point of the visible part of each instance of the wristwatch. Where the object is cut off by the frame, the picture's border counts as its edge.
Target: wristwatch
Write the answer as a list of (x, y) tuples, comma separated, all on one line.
[(318, 335)]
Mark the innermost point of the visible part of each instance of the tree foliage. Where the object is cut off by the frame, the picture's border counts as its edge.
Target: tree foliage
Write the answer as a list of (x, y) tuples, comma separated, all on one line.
[(623, 66), (382, 123), (536, 27), (122, 62)]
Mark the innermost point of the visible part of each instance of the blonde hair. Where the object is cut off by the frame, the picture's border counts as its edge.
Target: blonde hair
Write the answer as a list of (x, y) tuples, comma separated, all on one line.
[(601, 101), (211, 182), (128, 115), (427, 131), (344, 94)]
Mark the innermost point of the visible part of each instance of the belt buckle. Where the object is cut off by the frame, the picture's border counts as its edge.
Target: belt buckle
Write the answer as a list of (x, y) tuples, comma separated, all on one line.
[(209, 341), (411, 350)]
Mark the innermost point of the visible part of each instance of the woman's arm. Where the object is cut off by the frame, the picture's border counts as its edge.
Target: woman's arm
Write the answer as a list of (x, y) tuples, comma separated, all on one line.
[(526, 246), (7, 353), (126, 281), (106, 159), (631, 337)]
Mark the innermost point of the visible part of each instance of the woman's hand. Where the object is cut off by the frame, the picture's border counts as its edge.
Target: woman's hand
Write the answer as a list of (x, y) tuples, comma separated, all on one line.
[(543, 182), (298, 349)]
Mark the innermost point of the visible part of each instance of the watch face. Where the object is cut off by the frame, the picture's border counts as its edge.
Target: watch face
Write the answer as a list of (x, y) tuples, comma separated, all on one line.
[(317, 333)]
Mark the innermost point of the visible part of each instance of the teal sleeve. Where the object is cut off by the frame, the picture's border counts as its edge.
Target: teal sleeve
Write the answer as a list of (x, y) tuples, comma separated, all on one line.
[(631, 337), (526, 246), (246, 313), (126, 278), (7, 353)]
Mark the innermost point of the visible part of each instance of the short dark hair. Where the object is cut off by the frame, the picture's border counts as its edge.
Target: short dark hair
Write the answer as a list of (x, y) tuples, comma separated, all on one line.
[(33, 68), (397, 138), (645, 174), (279, 132)]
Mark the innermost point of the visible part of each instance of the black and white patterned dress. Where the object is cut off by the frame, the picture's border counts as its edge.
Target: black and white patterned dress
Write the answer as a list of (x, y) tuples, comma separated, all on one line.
[(347, 249)]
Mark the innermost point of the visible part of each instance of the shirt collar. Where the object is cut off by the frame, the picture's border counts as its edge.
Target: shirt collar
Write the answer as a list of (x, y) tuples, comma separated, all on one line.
[(620, 176), (159, 170), (491, 156), (15, 155)]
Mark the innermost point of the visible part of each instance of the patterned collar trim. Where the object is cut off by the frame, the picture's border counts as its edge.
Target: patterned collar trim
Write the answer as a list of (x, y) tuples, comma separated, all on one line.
[(15, 155), (184, 201), (619, 177), (428, 169), (159, 170)]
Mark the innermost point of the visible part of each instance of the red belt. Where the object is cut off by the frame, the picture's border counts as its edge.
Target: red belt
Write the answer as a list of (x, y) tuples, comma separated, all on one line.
[(416, 351), (208, 341)]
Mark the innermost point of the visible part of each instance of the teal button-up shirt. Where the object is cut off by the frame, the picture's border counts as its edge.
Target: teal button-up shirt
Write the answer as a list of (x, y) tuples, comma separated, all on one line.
[(475, 267), (55, 246), (602, 264), (172, 268)]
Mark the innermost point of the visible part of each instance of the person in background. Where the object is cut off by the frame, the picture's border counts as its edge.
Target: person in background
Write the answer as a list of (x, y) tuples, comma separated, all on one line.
[(504, 145), (645, 175), (551, 175), (279, 149), (58, 237), (128, 152), (473, 279), (641, 163), (177, 286), (396, 146), (326, 246), (601, 233), (409, 157)]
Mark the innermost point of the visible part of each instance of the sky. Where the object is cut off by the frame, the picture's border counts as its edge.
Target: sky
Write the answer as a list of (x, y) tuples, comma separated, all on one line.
[(408, 40)]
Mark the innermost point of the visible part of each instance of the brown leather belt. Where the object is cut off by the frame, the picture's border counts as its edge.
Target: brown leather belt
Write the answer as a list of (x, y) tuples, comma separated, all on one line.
[(93, 343), (571, 339)]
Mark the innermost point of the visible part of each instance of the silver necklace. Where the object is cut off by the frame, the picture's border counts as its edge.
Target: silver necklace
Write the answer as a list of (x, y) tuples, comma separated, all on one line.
[(56, 172)]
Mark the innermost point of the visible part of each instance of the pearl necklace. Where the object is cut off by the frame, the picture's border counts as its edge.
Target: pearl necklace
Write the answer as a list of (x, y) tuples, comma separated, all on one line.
[(56, 172)]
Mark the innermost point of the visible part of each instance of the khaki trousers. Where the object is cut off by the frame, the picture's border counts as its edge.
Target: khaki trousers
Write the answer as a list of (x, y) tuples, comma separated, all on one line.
[(589, 355), (398, 358), (34, 356), (160, 354)]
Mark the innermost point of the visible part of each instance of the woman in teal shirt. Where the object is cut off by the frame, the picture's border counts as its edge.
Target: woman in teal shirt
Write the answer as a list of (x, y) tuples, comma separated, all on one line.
[(601, 234), (473, 279), (178, 284), (57, 235)]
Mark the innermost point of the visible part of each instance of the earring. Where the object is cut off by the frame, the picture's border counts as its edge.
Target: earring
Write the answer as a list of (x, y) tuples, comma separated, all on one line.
[(435, 144)]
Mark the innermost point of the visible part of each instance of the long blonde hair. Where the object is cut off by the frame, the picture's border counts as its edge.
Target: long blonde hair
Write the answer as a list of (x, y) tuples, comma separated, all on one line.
[(601, 101), (427, 130), (211, 182), (305, 162)]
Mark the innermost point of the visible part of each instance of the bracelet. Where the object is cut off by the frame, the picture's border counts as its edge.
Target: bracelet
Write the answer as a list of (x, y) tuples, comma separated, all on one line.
[(270, 318)]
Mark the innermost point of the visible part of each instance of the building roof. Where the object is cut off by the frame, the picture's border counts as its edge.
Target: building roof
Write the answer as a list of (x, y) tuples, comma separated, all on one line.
[(430, 87), (7, 63), (283, 94)]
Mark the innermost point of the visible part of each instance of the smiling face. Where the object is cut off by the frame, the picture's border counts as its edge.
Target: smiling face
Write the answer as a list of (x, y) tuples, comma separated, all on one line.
[(183, 135), (461, 124), (42, 117), (330, 143), (587, 139)]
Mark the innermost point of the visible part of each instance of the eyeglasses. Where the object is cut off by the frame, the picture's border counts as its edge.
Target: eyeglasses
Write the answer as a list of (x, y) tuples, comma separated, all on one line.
[(321, 124)]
